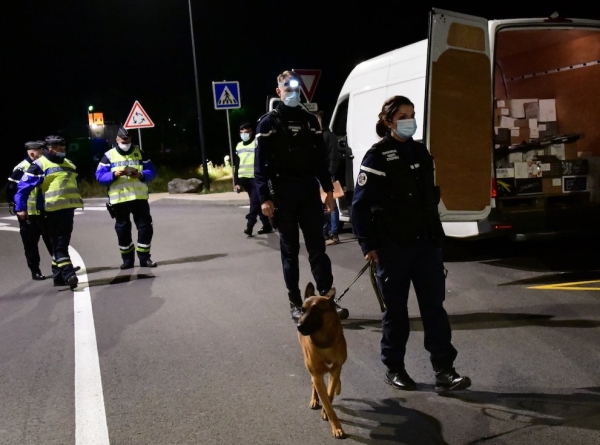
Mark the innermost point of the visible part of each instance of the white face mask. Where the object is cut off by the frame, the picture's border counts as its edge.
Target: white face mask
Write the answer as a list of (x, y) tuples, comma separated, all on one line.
[(405, 128), (245, 136), (292, 99), (125, 147)]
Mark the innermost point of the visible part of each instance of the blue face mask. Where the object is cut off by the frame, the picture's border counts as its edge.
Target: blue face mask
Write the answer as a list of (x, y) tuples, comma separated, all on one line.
[(245, 136), (405, 128), (292, 99)]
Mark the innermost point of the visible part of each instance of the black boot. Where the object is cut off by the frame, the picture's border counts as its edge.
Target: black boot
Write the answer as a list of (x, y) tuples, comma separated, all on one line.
[(128, 261), (295, 304), (266, 228), (248, 231), (37, 275), (447, 379)]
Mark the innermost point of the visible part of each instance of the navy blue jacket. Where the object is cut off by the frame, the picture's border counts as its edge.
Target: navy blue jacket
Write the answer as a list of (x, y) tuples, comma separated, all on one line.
[(395, 196), (283, 151)]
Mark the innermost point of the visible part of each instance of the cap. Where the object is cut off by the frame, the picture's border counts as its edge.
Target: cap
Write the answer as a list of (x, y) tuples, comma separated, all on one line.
[(55, 140), (122, 133), (34, 145)]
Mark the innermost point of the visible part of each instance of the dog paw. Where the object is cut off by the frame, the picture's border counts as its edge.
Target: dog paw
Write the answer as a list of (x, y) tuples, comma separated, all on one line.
[(338, 433), (314, 404), (324, 415)]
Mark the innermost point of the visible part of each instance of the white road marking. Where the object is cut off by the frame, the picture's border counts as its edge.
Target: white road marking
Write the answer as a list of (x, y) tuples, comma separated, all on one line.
[(90, 415), (8, 228)]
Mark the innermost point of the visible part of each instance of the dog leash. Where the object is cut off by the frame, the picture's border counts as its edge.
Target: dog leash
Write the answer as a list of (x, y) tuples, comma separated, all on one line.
[(362, 271), (371, 265)]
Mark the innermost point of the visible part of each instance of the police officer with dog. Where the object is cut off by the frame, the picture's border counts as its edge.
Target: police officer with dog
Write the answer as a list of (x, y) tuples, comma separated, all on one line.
[(397, 223), (290, 162), (32, 227), (126, 171)]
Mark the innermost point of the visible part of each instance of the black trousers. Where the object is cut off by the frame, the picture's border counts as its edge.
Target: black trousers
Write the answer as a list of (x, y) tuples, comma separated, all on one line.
[(255, 211), (420, 264), (299, 207), (60, 227), (140, 210), (31, 229)]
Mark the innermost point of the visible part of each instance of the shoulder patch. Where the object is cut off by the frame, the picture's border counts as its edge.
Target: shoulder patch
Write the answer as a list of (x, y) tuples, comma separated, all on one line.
[(362, 179)]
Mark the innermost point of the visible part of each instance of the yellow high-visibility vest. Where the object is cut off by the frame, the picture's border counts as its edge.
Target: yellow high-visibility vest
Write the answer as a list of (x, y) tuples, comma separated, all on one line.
[(59, 188), (126, 188), (246, 155)]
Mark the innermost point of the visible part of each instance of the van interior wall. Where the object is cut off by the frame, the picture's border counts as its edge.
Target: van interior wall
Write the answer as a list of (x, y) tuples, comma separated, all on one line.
[(575, 89)]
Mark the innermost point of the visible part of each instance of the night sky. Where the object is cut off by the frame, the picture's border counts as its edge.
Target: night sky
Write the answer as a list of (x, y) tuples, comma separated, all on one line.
[(66, 55)]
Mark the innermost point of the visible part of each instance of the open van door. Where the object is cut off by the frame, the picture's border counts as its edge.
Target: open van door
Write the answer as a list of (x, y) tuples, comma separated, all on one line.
[(458, 125)]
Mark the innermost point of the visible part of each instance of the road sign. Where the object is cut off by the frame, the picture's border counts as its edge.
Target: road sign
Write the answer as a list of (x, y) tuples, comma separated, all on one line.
[(138, 118), (226, 95), (308, 82), (311, 106)]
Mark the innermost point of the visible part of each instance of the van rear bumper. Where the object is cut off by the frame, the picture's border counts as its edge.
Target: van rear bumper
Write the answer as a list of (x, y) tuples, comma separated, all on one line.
[(530, 225)]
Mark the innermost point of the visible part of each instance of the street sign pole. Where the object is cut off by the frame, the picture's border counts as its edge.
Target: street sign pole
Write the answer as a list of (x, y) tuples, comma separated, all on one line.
[(230, 151), (140, 137)]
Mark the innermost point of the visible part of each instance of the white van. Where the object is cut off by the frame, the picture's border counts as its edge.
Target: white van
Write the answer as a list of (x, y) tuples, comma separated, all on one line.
[(510, 111)]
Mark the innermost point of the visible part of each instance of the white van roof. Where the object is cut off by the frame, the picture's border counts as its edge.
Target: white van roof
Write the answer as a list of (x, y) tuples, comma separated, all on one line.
[(375, 71)]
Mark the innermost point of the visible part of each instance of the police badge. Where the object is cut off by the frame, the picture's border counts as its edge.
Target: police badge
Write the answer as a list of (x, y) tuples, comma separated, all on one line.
[(362, 179)]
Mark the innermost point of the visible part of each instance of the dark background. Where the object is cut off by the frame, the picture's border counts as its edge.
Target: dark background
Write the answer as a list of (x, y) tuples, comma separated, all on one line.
[(62, 56)]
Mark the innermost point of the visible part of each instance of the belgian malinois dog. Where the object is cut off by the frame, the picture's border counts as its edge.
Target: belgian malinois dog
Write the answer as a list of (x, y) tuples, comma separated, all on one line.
[(323, 344)]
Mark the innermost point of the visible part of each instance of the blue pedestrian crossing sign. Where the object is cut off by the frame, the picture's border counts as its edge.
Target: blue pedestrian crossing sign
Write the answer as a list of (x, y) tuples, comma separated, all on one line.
[(226, 95)]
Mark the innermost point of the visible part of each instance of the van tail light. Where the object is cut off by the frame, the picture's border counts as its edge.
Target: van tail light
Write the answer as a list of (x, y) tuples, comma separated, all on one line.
[(494, 192)]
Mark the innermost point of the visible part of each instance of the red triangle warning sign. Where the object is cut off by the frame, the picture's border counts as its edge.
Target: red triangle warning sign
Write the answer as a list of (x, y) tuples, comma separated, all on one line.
[(308, 82), (138, 118)]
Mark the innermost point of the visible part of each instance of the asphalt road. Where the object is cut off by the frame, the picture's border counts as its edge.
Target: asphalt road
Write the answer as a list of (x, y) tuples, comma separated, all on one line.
[(201, 350)]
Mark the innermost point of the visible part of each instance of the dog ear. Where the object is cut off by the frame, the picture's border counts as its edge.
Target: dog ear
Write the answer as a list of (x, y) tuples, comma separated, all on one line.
[(310, 290), (330, 294)]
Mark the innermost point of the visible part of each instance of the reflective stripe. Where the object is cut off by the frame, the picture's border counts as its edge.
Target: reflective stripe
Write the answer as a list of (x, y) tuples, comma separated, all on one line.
[(143, 245), (126, 188), (61, 192), (372, 170)]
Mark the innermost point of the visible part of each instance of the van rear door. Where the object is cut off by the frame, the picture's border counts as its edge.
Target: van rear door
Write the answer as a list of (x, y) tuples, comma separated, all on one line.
[(458, 124)]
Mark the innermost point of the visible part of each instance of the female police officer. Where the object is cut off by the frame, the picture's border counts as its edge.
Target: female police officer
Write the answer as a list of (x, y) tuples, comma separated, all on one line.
[(395, 218)]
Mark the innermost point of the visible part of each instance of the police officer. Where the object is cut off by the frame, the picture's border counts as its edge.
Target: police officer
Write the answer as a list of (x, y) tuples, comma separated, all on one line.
[(126, 170), (291, 158), (243, 177), (396, 221), (33, 227), (57, 180)]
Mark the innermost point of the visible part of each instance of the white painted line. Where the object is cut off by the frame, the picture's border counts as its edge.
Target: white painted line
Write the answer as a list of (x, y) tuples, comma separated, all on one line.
[(103, 208), (90, 415), (13, 217), (4, 226)]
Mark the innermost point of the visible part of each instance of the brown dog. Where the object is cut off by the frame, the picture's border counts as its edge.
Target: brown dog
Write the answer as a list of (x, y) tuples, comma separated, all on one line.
[(324, 347)]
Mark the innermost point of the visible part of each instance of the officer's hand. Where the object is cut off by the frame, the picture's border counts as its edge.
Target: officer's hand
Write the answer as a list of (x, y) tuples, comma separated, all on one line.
[(119, 173), (22, 214), (237, 188), (268, 209), (135, 174), (329, 203), (372, 256)]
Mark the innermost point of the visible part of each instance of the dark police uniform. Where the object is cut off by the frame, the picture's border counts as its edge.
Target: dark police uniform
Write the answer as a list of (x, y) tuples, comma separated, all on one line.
[(291, 157), (32, 228), (394, 211)]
